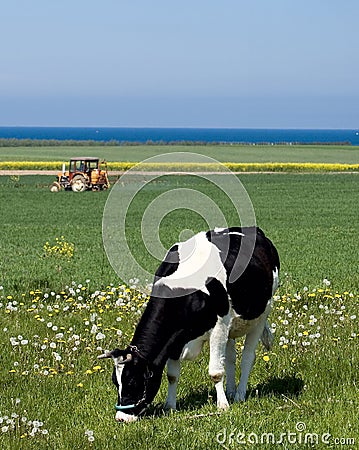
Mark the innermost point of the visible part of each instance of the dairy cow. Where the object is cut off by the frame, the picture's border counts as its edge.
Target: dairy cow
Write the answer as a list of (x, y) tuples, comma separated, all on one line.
[(216, 286)]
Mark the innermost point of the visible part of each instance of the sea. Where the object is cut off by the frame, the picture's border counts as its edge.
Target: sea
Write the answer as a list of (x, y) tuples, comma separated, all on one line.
[(186, 135)]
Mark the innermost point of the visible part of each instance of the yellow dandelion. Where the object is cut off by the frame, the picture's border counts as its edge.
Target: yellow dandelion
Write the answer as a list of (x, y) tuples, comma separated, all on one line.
[(266, 358)]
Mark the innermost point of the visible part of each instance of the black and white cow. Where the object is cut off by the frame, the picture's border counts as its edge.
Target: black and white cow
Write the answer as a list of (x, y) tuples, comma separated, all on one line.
[(215, 287)]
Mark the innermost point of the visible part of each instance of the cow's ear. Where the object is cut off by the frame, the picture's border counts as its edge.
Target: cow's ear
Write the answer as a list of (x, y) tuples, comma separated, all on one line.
[(113, 354)]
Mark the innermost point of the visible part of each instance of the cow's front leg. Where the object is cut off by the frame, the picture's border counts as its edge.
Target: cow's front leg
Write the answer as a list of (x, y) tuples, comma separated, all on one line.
[(217, 357), (173, 374)]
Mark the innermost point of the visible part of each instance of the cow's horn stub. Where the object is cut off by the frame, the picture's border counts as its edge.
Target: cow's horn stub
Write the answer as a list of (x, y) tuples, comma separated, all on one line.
[(128, 359), (105, 355)]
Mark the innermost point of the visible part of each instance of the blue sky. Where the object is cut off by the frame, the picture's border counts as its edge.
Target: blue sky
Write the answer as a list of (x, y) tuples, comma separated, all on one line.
[(196, 63)]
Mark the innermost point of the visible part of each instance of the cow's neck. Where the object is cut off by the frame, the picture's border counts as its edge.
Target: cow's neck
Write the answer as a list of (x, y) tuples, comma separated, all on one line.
[(158, 335)]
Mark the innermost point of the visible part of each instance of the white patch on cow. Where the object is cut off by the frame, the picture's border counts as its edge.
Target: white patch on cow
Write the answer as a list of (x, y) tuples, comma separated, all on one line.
[(275, 280), (199, 260), (119, 370), (237, 233), (222, 230), (193, 348)]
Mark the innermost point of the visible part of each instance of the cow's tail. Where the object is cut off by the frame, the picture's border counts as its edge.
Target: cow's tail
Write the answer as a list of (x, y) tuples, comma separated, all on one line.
[(267, 337)]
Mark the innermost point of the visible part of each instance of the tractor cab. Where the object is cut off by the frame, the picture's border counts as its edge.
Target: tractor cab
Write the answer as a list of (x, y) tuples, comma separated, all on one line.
[(85, 173)]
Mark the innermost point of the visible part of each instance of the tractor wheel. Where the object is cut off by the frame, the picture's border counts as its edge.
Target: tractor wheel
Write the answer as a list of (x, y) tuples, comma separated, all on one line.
[(55, 187), (78, 183)]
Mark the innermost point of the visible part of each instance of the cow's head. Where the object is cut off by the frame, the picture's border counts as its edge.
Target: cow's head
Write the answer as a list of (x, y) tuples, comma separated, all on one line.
[(134, 380)]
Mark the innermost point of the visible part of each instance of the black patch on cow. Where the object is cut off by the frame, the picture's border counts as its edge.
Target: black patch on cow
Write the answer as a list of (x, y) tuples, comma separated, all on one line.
[(174, 317), (218, 295), (169, 265), (114, 378), (209, 235), (252, 290)]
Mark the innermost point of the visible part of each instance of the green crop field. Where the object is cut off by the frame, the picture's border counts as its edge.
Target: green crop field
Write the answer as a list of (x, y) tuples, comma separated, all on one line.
[(344, 154), (61, 304)]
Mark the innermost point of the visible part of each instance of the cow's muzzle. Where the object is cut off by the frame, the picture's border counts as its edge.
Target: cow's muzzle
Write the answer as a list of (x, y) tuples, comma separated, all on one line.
[(125, 418)]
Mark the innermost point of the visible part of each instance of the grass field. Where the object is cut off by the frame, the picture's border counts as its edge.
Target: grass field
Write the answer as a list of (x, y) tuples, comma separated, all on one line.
[(61, 304), (225, 153)]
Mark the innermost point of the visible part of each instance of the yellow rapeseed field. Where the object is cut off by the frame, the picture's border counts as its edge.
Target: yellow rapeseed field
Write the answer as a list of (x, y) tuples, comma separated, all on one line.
[(177, 167)]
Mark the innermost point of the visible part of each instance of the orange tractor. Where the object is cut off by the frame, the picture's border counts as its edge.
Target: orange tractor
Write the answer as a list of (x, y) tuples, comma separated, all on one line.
[(85, 173)]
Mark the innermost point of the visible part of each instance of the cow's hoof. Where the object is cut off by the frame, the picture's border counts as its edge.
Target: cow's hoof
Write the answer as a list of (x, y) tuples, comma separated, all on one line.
[(223, 405), (231, 395), (240, 397), (168, 407)]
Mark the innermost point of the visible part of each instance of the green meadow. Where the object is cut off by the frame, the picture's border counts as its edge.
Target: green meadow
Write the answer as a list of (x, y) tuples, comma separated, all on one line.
[(62, 304), (344, 154)]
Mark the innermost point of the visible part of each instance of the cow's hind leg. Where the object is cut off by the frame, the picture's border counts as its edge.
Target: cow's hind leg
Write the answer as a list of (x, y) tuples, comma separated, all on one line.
[(173, 374), (231, 369), (248, 358)]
